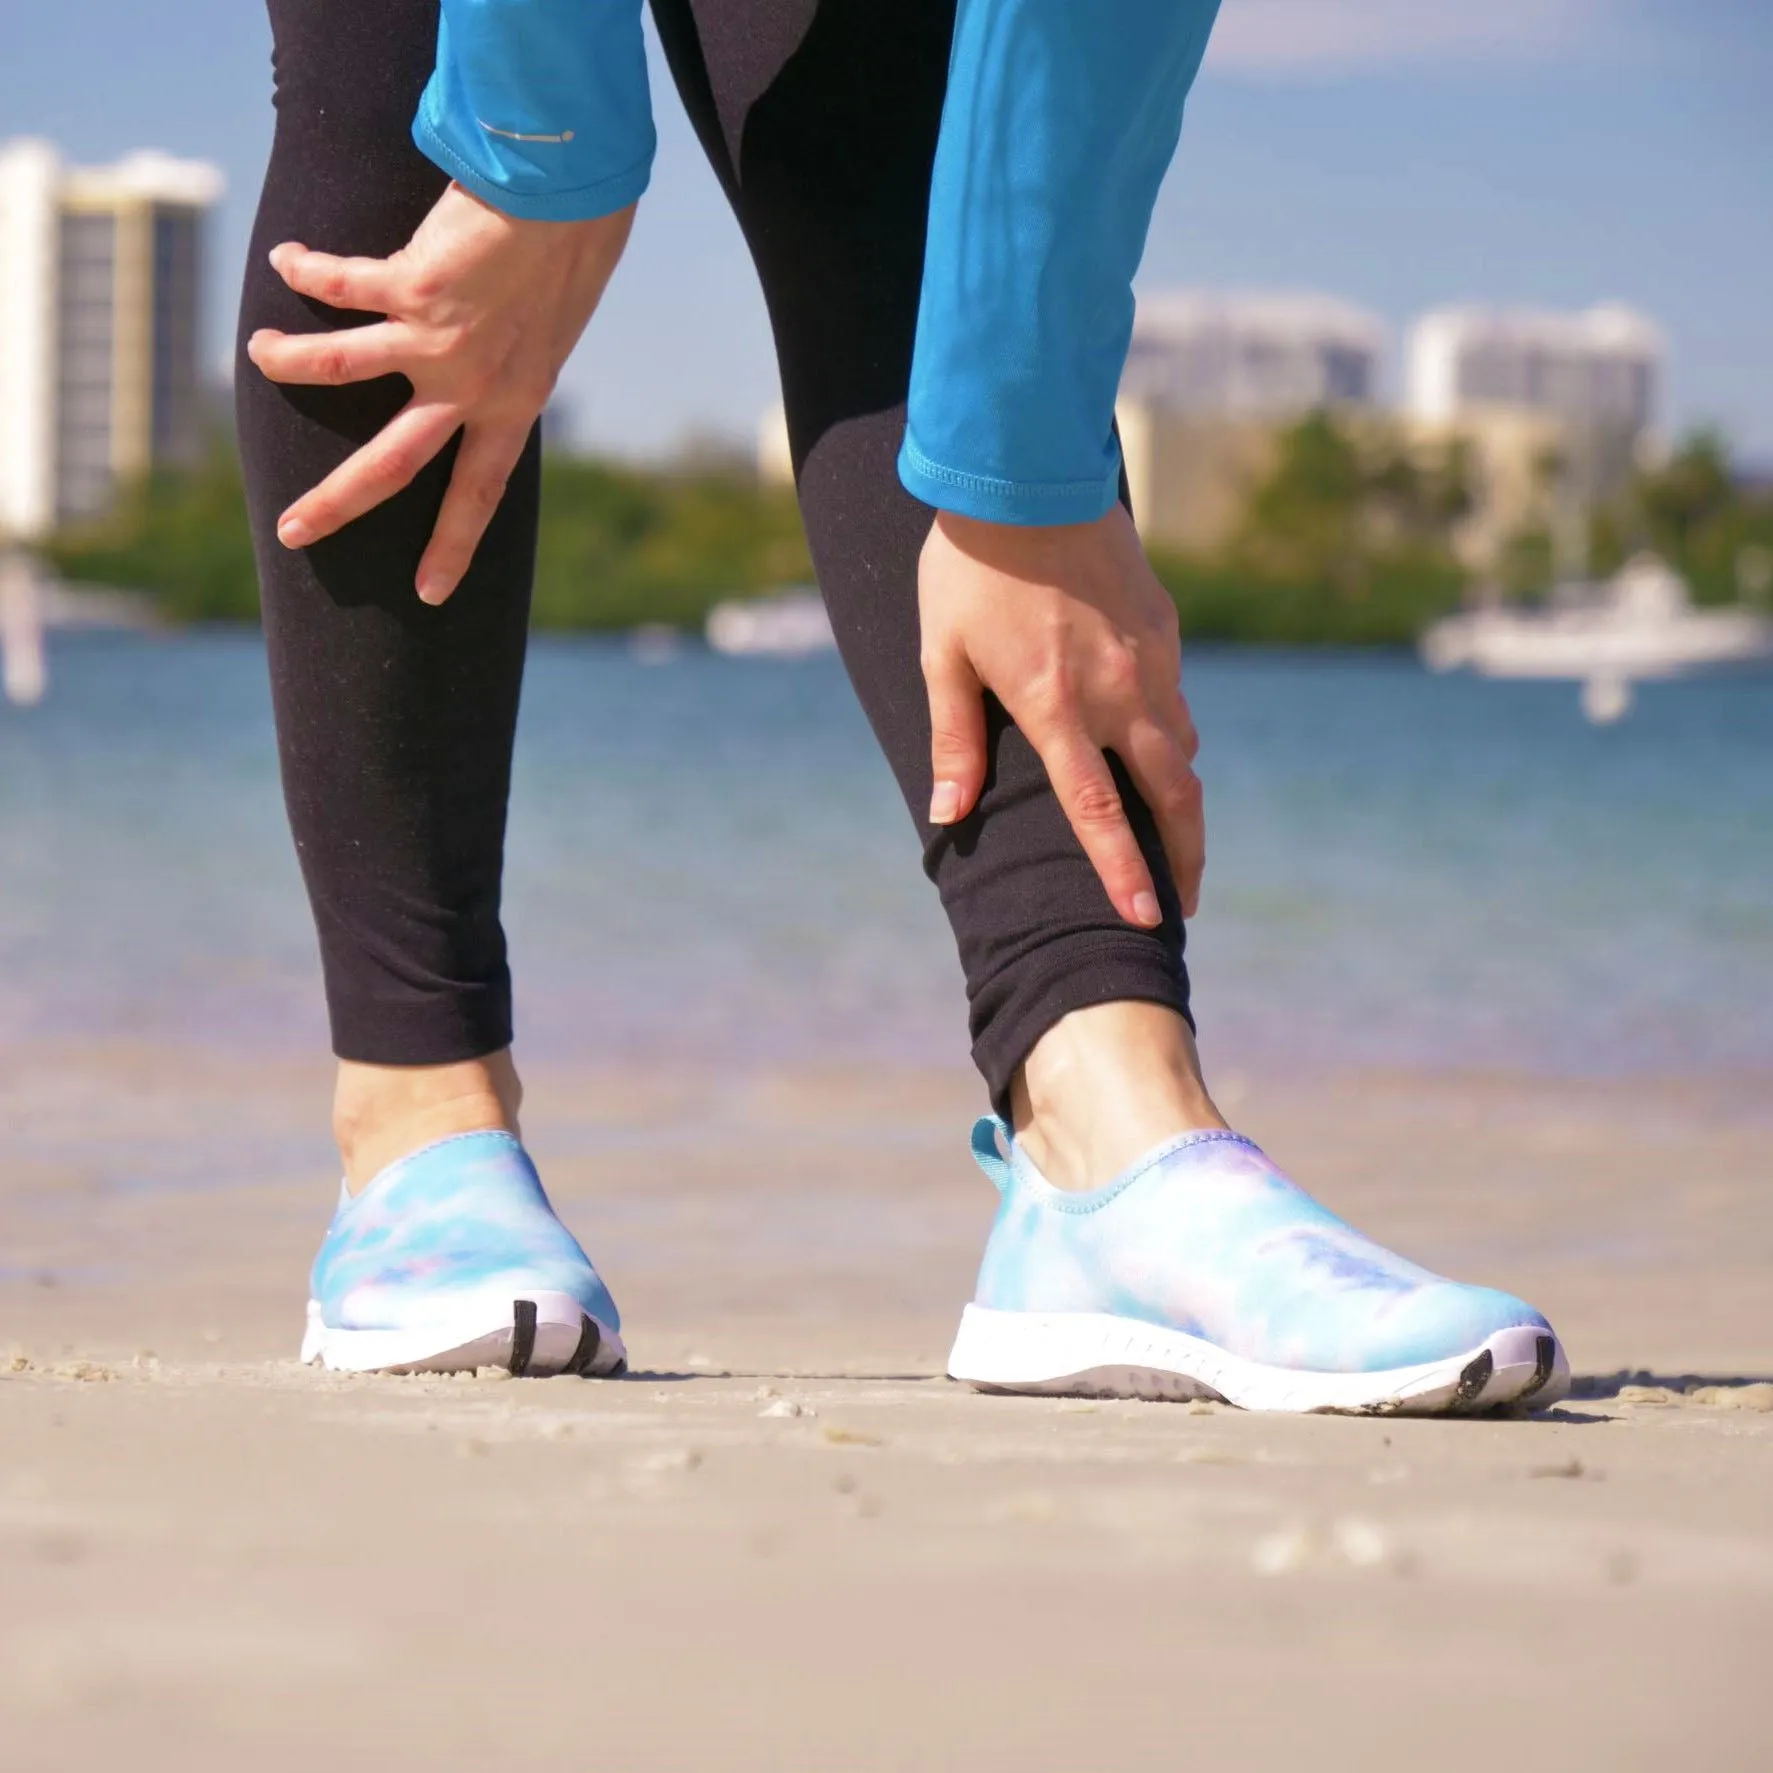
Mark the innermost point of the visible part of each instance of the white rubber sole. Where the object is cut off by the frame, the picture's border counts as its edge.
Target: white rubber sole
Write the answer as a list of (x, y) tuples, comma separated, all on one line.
[(1091, 1354), (535, 1335)]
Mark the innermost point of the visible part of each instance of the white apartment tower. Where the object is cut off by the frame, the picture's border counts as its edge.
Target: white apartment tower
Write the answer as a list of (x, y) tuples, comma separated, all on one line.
[(1272, 357), (100, 276), (1557, 409), (1210, 380), (1592, 371)]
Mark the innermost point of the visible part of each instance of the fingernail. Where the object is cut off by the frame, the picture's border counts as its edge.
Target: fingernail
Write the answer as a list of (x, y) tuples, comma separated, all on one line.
[(293, 533), (1145, 910), (430, 591), (944, 803)]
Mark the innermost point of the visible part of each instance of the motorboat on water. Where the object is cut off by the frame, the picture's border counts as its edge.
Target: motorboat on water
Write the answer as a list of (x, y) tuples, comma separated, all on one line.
[(1639, 625), (788, 625)]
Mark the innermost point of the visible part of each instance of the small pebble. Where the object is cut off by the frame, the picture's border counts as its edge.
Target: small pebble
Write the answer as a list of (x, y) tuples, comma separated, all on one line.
[(1282, 1552), (1645, 1394), (786, 1406), (1361, 1543), (1570, 1468), (851, 1437), (1033, 1507), (672, 1459)]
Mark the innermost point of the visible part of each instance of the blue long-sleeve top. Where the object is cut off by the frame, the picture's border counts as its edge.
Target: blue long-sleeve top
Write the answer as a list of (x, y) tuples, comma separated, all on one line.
[(1060, 120)]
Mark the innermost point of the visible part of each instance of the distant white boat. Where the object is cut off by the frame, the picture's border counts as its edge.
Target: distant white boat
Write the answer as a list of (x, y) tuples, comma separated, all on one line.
[(790, 625), (1640, 624)]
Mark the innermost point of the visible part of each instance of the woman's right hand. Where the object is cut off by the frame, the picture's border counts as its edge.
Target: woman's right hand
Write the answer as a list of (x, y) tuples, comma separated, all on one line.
[(481, 311)]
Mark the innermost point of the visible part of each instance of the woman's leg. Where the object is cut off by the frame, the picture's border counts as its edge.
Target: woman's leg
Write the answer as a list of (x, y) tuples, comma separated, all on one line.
[(1203, 1269), (394, 720), (821, 122)]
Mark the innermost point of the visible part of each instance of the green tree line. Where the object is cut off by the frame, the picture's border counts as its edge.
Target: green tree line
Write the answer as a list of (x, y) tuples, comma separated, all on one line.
[(1348, 540)]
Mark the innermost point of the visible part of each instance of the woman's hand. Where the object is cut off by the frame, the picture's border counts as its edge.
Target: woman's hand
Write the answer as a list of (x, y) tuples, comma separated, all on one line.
[(482, 310), (1069, 628)]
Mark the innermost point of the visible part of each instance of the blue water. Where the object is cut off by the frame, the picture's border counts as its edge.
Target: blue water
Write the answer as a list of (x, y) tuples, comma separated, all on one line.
[(708, 860)]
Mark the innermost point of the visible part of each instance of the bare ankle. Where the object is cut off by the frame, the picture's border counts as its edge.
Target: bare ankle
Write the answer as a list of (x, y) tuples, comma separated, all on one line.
[(382, 1113), (1103, 1086)]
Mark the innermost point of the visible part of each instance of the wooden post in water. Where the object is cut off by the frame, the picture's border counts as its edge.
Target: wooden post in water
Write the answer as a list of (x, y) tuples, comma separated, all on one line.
[(24, 676)]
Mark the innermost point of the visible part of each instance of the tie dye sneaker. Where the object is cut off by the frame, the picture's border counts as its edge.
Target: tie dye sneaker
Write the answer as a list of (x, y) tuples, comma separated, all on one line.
[(453, 1259), (1203, 1272)]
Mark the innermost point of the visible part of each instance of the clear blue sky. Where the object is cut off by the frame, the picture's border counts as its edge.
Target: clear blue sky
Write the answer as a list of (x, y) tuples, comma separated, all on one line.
[(1397, 152)]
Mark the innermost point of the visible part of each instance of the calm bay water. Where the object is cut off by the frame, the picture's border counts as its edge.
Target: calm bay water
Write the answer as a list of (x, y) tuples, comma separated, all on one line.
[(708, 860)]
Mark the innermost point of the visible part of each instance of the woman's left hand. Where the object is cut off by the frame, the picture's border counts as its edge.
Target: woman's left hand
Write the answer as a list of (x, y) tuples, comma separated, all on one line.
[(1069, 628), (482, 309)]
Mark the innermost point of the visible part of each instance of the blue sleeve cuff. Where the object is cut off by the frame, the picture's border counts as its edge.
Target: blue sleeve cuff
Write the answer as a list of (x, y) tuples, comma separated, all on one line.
[(540, 107), (1030, 503), (582, 203)]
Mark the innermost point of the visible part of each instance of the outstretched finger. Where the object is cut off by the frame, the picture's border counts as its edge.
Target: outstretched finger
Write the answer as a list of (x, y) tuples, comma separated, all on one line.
[(330, 359), (365, 286), (1085, 787), (957, 735), (476, 485), (376, 472), (1161, 770)]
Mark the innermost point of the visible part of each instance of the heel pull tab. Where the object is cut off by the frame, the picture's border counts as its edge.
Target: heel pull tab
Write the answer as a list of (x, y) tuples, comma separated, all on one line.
[(990, 1136)]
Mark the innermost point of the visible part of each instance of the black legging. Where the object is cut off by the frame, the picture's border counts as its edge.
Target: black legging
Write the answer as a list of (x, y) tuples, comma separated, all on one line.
[(395, 721)]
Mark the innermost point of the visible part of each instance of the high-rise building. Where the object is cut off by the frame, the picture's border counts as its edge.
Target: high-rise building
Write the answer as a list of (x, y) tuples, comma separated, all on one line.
[(100, 281), (1555, 410), (1212, 379), (1592, 371), (1252, 356)]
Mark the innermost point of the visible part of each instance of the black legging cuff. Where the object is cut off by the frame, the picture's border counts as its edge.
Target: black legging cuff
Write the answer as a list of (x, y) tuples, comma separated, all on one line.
[(449, 1026), (1014, 1008)]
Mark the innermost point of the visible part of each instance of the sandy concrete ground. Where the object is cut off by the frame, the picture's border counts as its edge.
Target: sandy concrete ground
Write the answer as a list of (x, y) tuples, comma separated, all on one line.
[(786, 1541)]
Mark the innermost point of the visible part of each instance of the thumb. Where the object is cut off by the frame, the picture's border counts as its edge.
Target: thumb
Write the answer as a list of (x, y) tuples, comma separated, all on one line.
[(957, 736)]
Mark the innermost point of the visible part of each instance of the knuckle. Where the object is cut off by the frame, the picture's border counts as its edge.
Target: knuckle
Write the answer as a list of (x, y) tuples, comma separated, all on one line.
[(950, 737), (1117, 674), (484, 493), (1182, 795), (1094, 802), (1053, 694), (396, 468), (333, 364)]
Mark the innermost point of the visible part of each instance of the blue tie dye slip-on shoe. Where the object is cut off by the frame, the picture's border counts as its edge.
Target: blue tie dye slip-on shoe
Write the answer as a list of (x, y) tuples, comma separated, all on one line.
[(453, 1259), (1203, 1272)]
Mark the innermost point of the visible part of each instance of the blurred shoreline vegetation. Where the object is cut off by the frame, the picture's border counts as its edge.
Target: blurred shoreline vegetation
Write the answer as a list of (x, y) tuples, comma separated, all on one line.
[(619, 545), (1346, 542), (1349, 540)]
